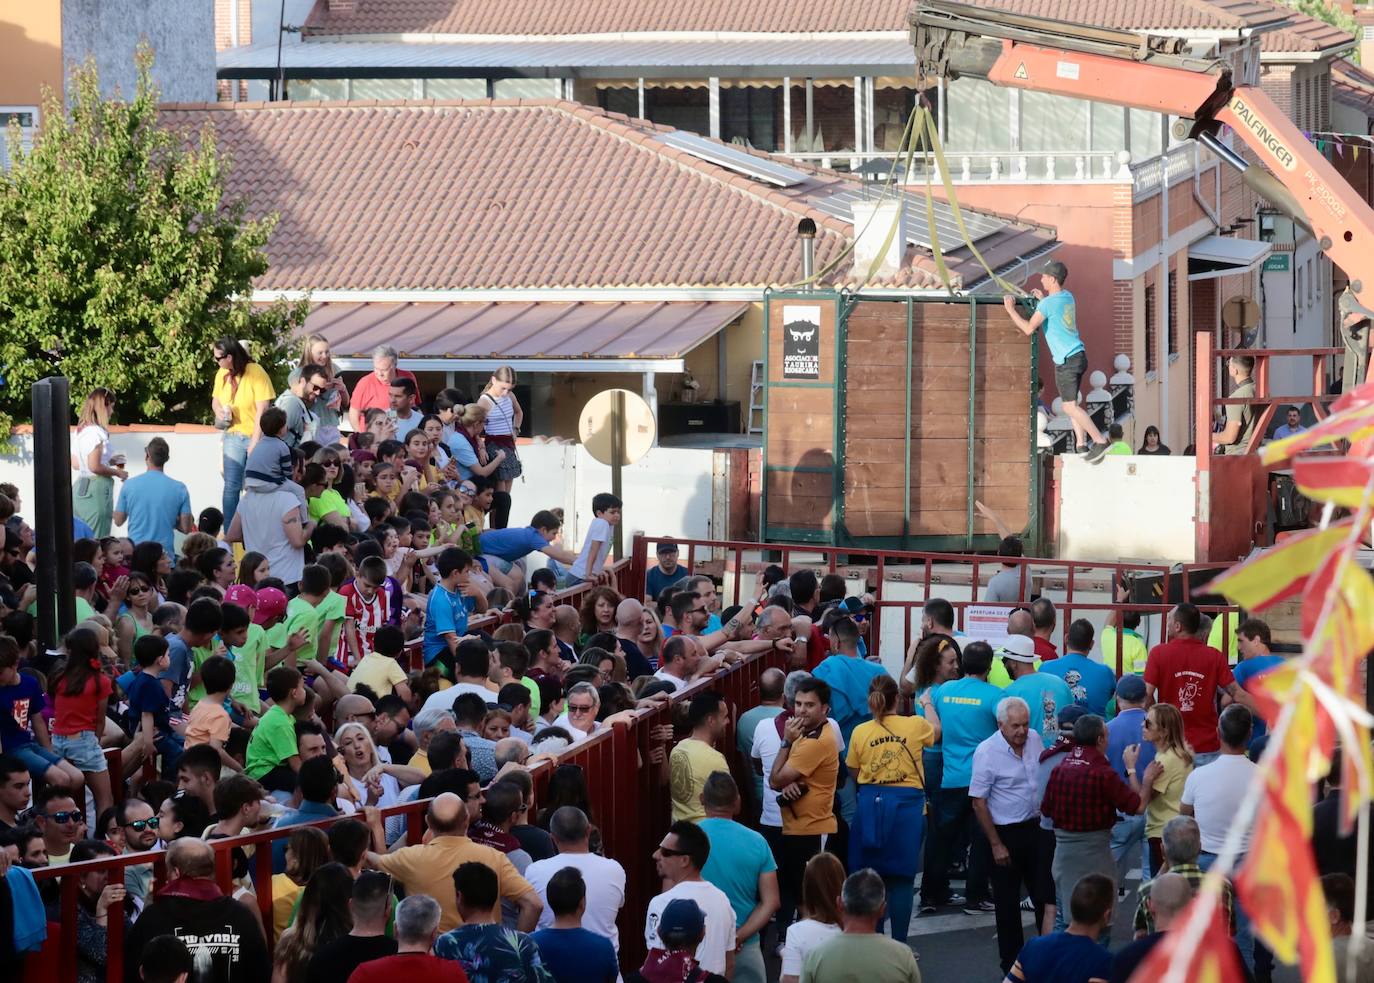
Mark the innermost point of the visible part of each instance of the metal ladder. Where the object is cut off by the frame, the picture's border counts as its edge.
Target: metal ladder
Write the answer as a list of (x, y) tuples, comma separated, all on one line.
[(755, 398)]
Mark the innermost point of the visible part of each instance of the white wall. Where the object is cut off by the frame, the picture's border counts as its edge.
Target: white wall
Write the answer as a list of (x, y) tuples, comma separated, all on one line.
[(1128, 508), (669, 492)]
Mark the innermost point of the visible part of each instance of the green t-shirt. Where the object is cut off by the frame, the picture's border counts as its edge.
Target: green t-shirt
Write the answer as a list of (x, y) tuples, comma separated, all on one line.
[(248, 668), (300, 613), (198, 656), (273, 741), (873, 958), (83, 611), (533, 687), (334, 606), (1120, 447), (328, 501)]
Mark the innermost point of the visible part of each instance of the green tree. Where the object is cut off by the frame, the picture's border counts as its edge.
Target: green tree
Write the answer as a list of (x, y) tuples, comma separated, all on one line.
[(122, 260), (1326, 10)]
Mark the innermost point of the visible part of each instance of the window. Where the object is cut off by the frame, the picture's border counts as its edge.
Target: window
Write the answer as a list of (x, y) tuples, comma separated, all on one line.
[(978, 116), (387, 89), (326, 90), (1146, 135), (751, 115), (1051, 123), (527, 89), (1151, 331), (1171, 310), (686, 108), (455, 88), (27, 119), (1311, 283)]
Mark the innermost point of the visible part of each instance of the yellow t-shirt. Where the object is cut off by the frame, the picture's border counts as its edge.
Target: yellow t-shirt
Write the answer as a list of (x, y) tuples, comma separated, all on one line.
[(1164, 805), (379, 672), (428, 869), (889, 753), (690, 764), (818, 760), (420, 762), (254, 387), (1134, 653), (285, 891), (1230, 649)]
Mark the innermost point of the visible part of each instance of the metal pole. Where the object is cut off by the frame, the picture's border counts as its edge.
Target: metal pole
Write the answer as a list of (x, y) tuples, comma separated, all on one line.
[(617, 453), (52, 494)]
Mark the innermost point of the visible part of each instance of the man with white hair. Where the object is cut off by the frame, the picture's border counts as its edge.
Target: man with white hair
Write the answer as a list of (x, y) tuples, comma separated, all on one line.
[(1005, 796), (374, 389), (579, 717), (427, 723), (417, 926)]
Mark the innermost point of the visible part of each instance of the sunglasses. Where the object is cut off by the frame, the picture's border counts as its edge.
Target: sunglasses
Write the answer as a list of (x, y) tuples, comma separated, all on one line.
[(135, 591), (63, 818), (665, 852), (589, 708), (139, 825)]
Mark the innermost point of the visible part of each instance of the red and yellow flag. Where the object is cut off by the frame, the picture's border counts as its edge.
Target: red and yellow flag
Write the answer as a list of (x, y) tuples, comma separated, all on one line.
[(1352, 419), (1280, 572), (1341, 480), (1283, 896), (1213, 959)]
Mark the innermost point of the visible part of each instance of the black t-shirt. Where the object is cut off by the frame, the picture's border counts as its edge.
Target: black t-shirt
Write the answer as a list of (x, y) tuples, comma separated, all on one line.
[(635, 663), (534, 841), (337, 960)]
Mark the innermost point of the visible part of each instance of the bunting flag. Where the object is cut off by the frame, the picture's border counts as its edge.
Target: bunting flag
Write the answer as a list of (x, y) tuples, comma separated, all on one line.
[(1281, 571), (1340, 480), (1282, 894), (1213, 959)]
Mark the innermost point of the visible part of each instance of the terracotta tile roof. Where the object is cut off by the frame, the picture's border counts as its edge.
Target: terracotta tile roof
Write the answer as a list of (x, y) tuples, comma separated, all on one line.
[(555, 17), (511, 194), (600, 17), (1302, 34), (1352, 86)]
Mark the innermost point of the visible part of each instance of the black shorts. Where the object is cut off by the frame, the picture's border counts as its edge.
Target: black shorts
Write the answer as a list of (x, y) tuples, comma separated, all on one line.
[(1069, 375)]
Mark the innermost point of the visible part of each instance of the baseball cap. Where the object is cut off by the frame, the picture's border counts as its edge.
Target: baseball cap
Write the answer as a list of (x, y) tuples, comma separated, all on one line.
[(681, 923), (1131, 689), (1070, 714), (1018, 648), (271, 604), (1056, 269), (667, 548), (242, 595)]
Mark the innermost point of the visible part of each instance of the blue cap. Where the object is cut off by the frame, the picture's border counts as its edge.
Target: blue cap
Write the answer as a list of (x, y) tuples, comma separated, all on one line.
[(1130, 688), (681, 923)]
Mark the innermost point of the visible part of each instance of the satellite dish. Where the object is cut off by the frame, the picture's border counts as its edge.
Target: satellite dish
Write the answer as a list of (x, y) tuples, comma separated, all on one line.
[(596, 426), (1240, 313)]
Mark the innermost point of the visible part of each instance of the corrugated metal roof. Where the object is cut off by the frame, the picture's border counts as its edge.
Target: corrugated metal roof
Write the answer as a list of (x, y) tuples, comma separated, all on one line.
[(510, 330), (733, 57)]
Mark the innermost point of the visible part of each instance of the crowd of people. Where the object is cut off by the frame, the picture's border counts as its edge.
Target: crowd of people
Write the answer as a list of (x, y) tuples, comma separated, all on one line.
[(253, 666)]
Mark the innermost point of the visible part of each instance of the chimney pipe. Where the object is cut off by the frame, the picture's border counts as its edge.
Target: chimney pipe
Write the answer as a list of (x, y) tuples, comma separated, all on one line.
[(806, 232)]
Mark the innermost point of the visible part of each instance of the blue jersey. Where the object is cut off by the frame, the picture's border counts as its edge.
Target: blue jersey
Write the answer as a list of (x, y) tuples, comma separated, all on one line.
[(968, 715), (1061, 325), (1091, 683)]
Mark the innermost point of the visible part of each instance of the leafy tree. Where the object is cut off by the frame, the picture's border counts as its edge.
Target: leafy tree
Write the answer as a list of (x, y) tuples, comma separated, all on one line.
[(121, 260), (1327, 10)]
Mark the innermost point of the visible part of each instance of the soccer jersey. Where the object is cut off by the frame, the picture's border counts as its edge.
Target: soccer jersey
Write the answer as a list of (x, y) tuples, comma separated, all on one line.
[(367, 616)]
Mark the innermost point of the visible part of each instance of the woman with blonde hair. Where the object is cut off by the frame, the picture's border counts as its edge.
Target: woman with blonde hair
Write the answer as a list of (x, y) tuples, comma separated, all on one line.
[(651, 636), (820, 894), (192, 547), (95, 464), (885, 756), (469, 452), (504, 418), (333, 401), (373, 781), (1161, 787)]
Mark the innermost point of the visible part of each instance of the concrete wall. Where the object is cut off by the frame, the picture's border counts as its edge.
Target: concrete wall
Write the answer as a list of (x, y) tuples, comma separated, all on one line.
[(182, 37), (669, 492), (1128, 508)]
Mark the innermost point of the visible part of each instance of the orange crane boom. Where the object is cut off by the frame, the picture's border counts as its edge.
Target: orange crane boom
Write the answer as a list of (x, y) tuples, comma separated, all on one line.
[(1143, 71)]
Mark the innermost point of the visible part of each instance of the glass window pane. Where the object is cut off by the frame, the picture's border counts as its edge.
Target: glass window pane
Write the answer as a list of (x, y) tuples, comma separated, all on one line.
[(527, 88), (978, 116), (1109, 127), (306, 89), (891, 109), (1052, 123), (751, 115), (834, 116), (619, 99), (455, 88), (383, 88), (1147, 135), (686, 108)]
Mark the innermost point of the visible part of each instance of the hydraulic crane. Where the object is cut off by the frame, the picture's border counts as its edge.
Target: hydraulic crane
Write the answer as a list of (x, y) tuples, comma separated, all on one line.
[(1144, 71)]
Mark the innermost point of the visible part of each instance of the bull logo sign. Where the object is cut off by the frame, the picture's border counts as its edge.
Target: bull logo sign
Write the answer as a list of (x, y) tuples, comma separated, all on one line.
[(801, 343)]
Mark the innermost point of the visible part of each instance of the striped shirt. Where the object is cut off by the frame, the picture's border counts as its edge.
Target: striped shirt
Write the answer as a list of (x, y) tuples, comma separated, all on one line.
[(367, 616)]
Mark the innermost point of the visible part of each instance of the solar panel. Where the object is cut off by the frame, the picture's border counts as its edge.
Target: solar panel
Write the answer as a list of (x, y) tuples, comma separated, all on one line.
[(732, 158), (841, 205)]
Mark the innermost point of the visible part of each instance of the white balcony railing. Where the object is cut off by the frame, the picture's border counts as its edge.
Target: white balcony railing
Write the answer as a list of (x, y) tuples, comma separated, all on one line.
[(1149, 176)]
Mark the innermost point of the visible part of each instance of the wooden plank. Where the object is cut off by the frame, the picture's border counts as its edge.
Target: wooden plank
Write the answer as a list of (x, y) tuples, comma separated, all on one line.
[(930, 523), (800, 447), (948, 472), (801, 484), (1006, 499), (862, 352), (947, 378), (874, 524), (783, 400)]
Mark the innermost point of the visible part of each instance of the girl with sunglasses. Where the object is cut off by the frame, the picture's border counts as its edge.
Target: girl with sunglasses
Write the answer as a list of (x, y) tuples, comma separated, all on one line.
[(135, 617)]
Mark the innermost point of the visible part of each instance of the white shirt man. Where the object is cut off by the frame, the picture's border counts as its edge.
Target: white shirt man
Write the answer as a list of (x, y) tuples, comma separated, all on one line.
[(270, 523), (1007, 781), (604, 877)]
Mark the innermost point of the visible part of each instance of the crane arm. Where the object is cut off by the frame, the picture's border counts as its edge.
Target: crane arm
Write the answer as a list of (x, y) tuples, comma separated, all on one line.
[(1142, 71)]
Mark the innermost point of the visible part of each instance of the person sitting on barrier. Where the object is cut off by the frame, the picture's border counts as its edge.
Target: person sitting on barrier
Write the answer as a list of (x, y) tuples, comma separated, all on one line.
[(428, 868), (217, 930)]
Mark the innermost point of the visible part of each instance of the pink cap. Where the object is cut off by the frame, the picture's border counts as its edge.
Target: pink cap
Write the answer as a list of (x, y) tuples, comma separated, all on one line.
[(271, 604), (242, 595)]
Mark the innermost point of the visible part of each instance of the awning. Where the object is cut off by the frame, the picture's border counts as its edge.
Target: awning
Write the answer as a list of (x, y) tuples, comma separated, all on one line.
[(624, 58), (537, 336), (1218, 256)]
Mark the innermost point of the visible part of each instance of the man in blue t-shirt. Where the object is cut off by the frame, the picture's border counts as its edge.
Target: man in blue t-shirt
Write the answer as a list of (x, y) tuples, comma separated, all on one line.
[(571, 953), (741, 864), (154, 505), (1056, 312), (1044, 693), (1073, 956), (1090, 683), (1252, 645), (967, 709), (504, 548), (446, 612), (665, 573)]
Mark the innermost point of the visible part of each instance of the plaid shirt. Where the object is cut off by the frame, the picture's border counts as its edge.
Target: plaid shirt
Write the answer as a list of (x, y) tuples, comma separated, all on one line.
[(1085, 792), (1193, 874)]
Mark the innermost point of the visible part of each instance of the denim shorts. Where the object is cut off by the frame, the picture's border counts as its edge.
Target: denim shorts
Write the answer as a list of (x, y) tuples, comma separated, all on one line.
[(81, 749), (37, 759)]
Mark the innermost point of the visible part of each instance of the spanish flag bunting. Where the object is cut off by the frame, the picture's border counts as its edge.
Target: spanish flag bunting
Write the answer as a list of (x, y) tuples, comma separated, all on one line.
[(1342, 480), (1342, 592), (1281, 571), (1353, 424), (1214, 959), (1279, 888)]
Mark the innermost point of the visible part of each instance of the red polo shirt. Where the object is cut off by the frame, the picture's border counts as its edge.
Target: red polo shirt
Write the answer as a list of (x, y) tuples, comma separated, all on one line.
[(1187, 673), (1044, 649), (371, 391)]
